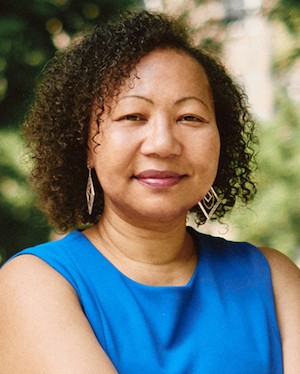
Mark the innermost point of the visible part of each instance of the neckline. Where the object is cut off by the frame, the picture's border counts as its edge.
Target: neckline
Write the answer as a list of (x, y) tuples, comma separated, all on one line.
[(188, 285)]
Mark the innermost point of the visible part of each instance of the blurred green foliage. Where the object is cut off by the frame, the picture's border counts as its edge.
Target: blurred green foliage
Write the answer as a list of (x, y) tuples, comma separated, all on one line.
[(288, 12), (274, 219), (30, 33), (21, 225)]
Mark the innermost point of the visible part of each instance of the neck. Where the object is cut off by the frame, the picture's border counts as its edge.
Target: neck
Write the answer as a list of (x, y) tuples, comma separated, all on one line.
[(156, 254)]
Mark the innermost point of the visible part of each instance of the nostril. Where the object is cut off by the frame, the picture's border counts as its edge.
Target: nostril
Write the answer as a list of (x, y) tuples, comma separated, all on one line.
[(161, 141)]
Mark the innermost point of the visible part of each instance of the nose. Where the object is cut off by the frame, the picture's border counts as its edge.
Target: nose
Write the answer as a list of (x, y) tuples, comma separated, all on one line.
[(161, 140)]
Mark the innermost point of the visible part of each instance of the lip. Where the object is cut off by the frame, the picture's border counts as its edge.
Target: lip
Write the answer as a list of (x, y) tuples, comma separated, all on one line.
[(159, 178)]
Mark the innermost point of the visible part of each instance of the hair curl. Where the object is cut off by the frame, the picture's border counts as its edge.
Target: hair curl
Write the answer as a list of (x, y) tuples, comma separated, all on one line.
[(89, 71)]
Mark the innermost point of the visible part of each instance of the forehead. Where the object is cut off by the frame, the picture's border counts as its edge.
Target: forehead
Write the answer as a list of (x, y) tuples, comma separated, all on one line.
[(169, 57), (169, 66), (171, 69)]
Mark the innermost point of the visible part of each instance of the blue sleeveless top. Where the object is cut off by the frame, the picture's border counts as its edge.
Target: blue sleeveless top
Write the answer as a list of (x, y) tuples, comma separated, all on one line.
[(222, 322)]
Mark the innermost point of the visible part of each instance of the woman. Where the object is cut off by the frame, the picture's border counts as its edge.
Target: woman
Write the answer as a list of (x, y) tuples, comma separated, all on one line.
[(132, 128)]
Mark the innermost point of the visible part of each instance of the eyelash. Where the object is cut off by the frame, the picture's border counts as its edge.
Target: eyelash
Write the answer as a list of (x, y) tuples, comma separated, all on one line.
[(133, 117), (191, 118)]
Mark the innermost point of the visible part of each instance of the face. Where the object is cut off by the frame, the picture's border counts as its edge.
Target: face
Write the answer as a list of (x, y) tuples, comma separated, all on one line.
[(159, 142)]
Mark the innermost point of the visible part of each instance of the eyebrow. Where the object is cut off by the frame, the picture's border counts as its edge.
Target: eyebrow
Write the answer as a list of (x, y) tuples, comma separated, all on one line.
[(137, 97), (192, 98), (176, 102)]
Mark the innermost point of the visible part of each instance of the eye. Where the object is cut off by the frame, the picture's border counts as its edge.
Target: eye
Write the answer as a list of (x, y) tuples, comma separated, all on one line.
[(133, 118), (190, 118)]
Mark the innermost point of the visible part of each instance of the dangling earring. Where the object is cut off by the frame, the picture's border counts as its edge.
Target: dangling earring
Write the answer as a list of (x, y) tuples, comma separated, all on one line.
[(90, 192), (210, 203)]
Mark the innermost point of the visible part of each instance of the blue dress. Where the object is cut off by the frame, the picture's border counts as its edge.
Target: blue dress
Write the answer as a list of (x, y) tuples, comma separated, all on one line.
[(222, 322)]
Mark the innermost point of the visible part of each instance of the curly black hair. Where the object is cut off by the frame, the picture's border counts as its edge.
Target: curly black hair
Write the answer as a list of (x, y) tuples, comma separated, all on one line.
[(94, 68)]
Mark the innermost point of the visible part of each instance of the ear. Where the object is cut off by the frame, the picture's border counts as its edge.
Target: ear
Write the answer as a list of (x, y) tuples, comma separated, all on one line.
[(90, 158), (93, 135)]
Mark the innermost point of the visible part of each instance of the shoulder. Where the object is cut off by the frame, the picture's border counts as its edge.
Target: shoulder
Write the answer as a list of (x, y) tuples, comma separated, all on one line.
[(286, 286), (59, 248), (282, 268), (285, 275), (37, 304), (60, 255), (285, 278), (235, 253), (26, 277), (30, 279), (27, 289), (64, 244)]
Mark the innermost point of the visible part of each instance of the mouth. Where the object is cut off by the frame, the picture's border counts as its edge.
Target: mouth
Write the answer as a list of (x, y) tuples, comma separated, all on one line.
[(159, 178)]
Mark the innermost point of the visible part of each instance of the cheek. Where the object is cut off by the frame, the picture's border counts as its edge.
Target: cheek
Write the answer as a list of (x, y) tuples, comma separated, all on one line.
[(214, 144), (208, 149), (215, 149), (112, 157)]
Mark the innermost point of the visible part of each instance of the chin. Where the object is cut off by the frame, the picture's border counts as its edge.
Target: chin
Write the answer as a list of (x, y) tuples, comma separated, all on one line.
[(161, 215)]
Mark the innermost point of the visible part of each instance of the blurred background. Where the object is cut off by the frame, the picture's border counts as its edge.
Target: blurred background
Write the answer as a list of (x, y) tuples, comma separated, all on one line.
[(258, 41)]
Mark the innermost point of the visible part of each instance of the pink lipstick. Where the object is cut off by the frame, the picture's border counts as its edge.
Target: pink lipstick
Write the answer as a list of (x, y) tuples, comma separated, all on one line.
[(159, 179)]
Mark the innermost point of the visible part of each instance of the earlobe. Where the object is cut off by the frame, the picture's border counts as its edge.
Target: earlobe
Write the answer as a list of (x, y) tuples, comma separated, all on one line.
[(90, 163)]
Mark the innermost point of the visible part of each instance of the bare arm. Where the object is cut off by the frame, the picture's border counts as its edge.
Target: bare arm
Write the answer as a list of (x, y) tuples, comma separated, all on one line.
[(286, 284), (42, 326)]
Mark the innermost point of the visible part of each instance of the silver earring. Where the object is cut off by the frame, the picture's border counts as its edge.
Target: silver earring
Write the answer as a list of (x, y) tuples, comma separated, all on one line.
[(210, 203), (90, 192)]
